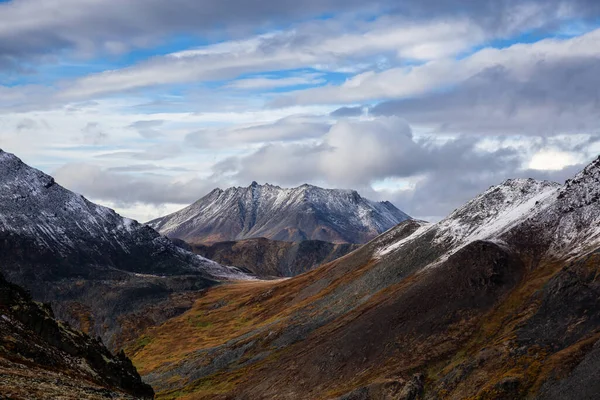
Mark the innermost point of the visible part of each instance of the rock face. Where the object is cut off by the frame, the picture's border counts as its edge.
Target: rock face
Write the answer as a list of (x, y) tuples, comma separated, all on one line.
[(41, 358), (498, 301), (274, 258), (302, 213), (93, 265)]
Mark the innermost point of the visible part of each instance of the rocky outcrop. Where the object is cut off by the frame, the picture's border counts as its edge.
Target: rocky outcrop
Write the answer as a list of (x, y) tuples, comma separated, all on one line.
[(41, 358)]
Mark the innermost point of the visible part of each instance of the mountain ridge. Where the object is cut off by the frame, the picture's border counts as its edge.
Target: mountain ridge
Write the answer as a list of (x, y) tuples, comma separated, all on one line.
[(72, 253), (498, 300), (288, 214)]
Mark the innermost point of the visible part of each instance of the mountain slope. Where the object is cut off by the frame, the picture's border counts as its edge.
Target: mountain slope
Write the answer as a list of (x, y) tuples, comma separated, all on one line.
[(305, 212), (498, 301), (92, 264), (274, 258), (41, 358)]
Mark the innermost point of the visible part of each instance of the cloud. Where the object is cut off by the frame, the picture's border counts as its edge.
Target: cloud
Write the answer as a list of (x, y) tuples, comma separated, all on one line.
[(291, 128), (437, 195), (557, 97), (145, 168), (267, 83), (124, 189), (148, 129), (48, 27), (356, 154), (154, 153), (343, 112), (322, 46), (435, 176), (93, 134), (519, 63)]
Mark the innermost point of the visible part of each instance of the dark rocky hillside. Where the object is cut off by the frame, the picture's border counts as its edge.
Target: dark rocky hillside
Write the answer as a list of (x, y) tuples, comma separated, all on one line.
[(500, 300), (94, 266), (303, 213), (274, 258), (41, 358)]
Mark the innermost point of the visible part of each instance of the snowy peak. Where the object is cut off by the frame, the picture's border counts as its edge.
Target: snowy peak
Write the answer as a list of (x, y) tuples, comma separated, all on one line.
[(551, 220), (36, 211), (497, 209), (294, 214), (583, 190)]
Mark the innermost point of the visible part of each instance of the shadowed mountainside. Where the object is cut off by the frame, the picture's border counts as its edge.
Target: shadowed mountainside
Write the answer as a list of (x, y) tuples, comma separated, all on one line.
[(274, 258), (498, 301), (41, 358)]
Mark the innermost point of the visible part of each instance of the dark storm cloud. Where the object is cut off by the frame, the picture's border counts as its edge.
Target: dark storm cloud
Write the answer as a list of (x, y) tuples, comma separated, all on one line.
[(34, 28), (558, 97)]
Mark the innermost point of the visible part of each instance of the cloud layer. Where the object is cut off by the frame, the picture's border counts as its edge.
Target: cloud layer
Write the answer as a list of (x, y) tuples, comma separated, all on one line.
[(148, 105)]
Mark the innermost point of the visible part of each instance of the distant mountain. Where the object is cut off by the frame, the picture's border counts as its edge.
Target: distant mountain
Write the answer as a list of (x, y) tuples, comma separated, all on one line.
[(274, 258), (303, 213), (500, 300), (92, 264), (40, 358)]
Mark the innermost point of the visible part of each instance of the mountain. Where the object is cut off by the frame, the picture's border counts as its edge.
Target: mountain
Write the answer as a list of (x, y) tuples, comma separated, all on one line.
[(41, 358), (500, 300), (305, 212), (274, 258), (93, 265)]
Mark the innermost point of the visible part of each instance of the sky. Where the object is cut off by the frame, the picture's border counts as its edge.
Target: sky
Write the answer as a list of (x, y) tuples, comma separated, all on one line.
[(147, 105)]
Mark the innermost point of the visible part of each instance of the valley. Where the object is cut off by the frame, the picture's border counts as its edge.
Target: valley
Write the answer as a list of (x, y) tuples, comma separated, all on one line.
[(498, 300)]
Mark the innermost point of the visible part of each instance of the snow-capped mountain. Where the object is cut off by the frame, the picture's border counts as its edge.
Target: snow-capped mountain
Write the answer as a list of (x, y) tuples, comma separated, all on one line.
[(66, 249), (35, 208), (301, 213), (561, 220), (499, 300)]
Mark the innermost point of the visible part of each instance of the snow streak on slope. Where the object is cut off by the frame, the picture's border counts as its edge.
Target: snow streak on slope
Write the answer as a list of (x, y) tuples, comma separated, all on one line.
[(305, 212), (568, 215), (497, 210), (578, 210), (487, 216), (34, 207)]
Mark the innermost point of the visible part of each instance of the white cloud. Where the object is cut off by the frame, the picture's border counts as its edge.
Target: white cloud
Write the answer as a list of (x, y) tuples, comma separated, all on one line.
[(266, 83), (520, 60), (553, 160), (324, 45)]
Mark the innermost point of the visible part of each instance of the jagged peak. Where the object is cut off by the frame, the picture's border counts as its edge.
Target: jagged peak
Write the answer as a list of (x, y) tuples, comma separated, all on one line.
[(583, 189), (496, 209), (262, 209), (591, 171)]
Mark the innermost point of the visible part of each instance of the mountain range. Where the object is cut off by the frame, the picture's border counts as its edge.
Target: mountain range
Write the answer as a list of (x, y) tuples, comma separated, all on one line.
[(303, 213), (500, 300), (94, 266)]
